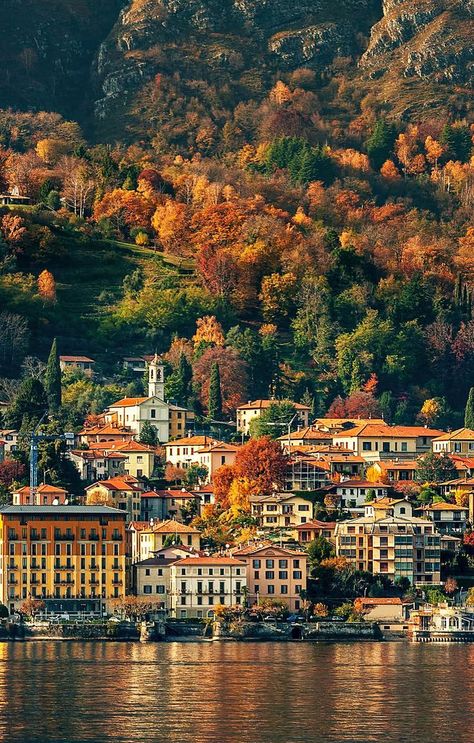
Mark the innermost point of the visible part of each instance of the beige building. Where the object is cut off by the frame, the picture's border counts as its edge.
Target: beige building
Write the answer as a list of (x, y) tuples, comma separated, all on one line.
[(460, 441), (390, 541), (274, 573), (80, 363), (448, 518), (10, 438), (336, 425), (46, 495), (313, 529), (181, 420), (120, 492), (307, 436), (246, 413), (374, 442), (199, 584), (280, 511), (93, 464), (215, 456), (150, 538), (183, 452)]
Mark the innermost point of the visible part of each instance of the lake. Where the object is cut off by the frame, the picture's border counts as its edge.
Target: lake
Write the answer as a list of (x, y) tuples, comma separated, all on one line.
[(203, 692)]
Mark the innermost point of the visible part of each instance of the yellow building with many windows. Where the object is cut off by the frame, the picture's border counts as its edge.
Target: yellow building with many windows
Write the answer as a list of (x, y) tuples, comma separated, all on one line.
[(70, 557)]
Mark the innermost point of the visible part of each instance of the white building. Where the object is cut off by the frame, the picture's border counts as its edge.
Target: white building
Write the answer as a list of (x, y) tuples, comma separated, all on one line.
[(199, 584)]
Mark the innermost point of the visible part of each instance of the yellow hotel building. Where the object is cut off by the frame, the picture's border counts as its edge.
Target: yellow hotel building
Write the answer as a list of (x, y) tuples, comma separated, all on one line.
[(70, 557)]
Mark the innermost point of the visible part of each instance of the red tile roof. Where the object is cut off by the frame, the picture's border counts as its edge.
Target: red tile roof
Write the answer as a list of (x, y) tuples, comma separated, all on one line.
[(389, 432), (263, 404), (83, 359), (211, 561)]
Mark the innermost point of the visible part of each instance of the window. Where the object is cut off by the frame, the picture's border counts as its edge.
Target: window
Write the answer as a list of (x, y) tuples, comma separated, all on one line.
[(146, 589), (283, 575), (269, 563), (303, 508), (153, 413), (386, 446), (297, 574), (271, 589), (269, 575), (366, 446), (284, 589), (404, 446), (147, 571)]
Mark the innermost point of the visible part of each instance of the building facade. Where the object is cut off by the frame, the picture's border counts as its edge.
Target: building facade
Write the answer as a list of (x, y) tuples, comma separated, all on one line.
[(199, 584), (391, 543), (254, 409), (70, 557), (274, 573), (280, 511)]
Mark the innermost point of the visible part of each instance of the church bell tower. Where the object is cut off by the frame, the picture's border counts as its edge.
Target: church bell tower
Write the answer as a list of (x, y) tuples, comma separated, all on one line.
[(156, 379)]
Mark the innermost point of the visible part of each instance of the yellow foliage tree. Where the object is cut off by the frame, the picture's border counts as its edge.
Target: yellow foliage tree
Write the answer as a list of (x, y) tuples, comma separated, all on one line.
[(239, 492), (280, 93), (390, 171), (47, 286), (209, 331), (461, 498), (429, 411)]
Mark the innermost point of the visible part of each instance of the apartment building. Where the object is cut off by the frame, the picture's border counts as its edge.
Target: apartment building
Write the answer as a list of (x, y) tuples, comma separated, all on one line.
[(280, 511), (45, 495), (274, 573), (389, 540), (460, 441), (199, 584), (254, 409), (146, 539), (71, 557), (123, 492), (374, 441)]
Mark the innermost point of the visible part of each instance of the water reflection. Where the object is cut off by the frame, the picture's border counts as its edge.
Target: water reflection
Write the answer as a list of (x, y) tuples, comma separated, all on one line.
[(236, 692)]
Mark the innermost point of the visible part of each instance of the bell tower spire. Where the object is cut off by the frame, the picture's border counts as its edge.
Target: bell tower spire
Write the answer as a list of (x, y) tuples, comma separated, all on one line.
[(156, 378)]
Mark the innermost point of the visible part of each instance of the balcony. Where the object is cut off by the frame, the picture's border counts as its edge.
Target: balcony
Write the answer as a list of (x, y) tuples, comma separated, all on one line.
[(35, 582), (117, 537), (94, 537), (12, 537), (93, 566), (64, 582), (64, 537), (12, 582), (12, 566), (117, 583), (64, 567), (94, 582)]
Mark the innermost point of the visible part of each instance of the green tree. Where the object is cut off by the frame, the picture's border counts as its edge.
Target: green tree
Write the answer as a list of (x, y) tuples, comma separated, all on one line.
[(178, 384), (52, 379), (319, 549), (214, 407), (380, 143), (30, 402), (435, 468), (457, 140), (469, 410), (148, 434), (273, 421)]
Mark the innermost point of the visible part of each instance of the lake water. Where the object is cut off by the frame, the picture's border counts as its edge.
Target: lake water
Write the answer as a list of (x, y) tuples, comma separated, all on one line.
[(236, 692)]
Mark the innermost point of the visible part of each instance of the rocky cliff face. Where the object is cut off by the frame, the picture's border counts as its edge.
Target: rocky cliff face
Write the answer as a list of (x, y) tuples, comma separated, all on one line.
[(422, 41), (119, 55), (46, 49)]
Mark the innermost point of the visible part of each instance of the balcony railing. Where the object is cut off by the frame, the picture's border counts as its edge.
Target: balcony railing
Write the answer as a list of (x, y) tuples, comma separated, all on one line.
[(64, 567), (64, 537), (94, 537), (117, 537)]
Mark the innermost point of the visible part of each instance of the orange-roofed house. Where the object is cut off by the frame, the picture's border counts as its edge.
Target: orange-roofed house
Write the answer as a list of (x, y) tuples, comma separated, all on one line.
[(313, 529), (168, 504), (199, 584), (275, 573), (154, 536), (307, 436), (336, 425), (448, 518), (306, 473), (352, 493), (140, 458), (182, 452), (104, 433), (392, 471), (254, 409), (81, 363), (460, 441), (123, 492), (374, 441), (97, 464), (215, 456), (46, 495)]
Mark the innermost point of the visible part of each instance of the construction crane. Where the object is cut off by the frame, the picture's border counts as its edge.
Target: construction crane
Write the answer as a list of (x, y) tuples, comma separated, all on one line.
[(35, 439)]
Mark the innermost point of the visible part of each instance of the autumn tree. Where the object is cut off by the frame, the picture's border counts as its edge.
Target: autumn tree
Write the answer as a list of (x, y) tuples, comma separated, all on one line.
[(278, 296), (435, 468), (47, 286), (263, 463), (233, 377), (209, 333), (31, 607)]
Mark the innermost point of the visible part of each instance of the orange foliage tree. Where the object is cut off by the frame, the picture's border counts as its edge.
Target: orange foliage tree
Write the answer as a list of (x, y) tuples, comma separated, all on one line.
[(47, 286), (263, 463)]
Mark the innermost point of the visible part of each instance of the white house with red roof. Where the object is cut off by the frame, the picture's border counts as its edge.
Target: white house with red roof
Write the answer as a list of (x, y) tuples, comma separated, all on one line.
[(46, 495), (254, 409)]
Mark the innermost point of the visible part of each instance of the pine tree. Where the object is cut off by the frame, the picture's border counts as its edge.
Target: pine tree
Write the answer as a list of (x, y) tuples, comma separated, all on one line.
[(52, 378), (214, 407), (185, 375), (380, 143), (148, 434), (469, 411)]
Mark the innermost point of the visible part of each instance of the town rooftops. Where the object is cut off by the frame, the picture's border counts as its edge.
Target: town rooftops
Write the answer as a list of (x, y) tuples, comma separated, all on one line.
[(129, 402), (460, 434), (381, 601), (77, 359), (131, 446), (63, 510), (126, 482), (387, 464), (168, 494), (272, 550), (309, 433), (385, 502), (217, 560), (360, 484), (170, 526), (156, 561), (264, 404), (220, 447), (42, 489), (373, 430), (97, 453), (203, 441), (444, 507), (316, 524), (108, 430)]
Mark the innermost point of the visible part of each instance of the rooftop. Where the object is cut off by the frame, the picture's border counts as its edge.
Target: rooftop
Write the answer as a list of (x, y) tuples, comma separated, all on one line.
[(460, 434), (63, 510), (216, 560), (81, 359), (263, 404), (374, 430), (194, 441)]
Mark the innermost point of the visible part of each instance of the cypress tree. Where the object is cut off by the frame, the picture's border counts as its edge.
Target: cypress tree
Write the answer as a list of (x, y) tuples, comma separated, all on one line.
[(185, 375), (52, 378), (469, 411), (214, 407)]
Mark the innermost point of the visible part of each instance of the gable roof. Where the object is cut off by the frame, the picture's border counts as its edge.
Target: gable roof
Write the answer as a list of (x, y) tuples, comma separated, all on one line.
[(445, 507), (170, 526), (194, 441), (128, 402), (216, 560), (460, 434), (309, 433), (43, 489), (389, 432), (263, 404), (269, 550), (83, 359), (125, 482), (316, 524)]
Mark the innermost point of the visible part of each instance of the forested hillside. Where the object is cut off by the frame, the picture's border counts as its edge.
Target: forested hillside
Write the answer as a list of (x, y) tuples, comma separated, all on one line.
[(269, 186)]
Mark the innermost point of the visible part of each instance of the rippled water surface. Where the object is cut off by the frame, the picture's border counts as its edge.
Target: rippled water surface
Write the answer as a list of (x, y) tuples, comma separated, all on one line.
[(241, 693)]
